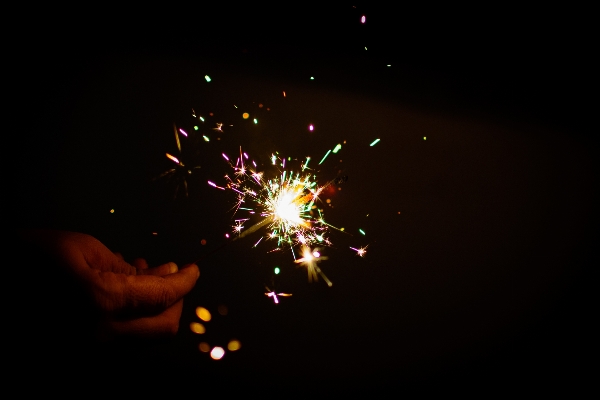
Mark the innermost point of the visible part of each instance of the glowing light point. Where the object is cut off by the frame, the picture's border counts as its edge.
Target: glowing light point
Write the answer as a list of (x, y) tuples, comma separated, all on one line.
[(195, 127), (184, 133), (312, 78), (361, 231), (206, 139), (245, 115), (217, 353), (204, 347), (337, 148), (255, 121), (197, 327), (112, 210), (363, 19), (201, 119), (424, 137), (203, 314), (207, 78), (277, 270), (374, 142), (311, 127), (234, 345)]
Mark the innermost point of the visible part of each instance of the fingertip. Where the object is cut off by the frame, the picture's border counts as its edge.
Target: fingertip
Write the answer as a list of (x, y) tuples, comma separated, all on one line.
[(172, 267), (195, 267)]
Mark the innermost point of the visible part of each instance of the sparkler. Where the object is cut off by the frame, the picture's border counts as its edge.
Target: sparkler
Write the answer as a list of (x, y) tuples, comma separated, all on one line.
[(286, 205)]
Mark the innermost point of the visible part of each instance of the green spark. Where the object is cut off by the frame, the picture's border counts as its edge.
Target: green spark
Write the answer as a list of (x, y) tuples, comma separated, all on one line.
[(277, 270), (375, 142), (361, 231), (206, 139), (207, 78), (337, 148), (306, 163), (328, 151)]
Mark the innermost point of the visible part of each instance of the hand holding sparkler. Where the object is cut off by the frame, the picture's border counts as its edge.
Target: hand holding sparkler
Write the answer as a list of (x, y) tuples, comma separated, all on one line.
[(125, 299)]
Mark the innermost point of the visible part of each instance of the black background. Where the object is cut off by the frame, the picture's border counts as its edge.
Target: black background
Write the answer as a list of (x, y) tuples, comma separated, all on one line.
[(479, 237)]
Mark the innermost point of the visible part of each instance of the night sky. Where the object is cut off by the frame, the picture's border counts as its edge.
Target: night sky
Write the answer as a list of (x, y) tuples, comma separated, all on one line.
[(476, 203)]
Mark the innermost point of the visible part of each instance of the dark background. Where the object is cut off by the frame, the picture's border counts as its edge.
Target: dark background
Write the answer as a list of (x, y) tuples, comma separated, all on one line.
[(480, 237)]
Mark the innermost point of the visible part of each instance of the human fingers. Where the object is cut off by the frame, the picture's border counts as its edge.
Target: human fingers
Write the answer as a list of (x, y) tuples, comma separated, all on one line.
[(161, 270), (150, 293), (162, 325), (140, 264)]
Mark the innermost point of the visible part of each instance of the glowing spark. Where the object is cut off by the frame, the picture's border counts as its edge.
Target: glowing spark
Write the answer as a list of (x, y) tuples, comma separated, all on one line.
[(180, 173), (274, 295), (337, 148), (324, 157), (173, 158), (363, 19), (305, 165), (311, 127), (361, 231), (219, 127), (207, 78), (215, 185), (309, 259), (360, 251), (374, 142)]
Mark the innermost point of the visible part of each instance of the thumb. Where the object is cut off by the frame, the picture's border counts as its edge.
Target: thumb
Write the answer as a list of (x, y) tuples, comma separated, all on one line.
[(154, 293)]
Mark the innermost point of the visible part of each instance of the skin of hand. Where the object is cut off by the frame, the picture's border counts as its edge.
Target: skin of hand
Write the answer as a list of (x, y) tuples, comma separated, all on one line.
[(127, 300)]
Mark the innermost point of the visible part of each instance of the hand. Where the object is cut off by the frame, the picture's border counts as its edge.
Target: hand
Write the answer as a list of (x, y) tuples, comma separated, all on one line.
[(127, 299)]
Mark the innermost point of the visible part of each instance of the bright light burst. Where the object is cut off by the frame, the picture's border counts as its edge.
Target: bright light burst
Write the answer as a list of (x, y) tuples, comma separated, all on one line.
[(360, 251), (309, 259), (286, 203)]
